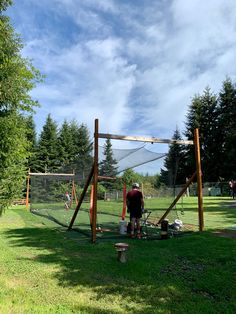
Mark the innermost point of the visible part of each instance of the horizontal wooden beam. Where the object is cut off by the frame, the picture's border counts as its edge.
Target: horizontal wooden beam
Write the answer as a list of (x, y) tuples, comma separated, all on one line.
[(144, 139), (106, 178), (51, 174)]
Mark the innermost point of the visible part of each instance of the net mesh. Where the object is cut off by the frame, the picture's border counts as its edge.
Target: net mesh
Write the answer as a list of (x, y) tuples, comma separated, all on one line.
[(131, 158), (47, 197)]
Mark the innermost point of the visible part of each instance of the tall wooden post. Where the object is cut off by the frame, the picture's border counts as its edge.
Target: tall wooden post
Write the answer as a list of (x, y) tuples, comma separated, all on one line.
[(124, 203), (27, 191), (95, 182), (91, 205), (199, 179)]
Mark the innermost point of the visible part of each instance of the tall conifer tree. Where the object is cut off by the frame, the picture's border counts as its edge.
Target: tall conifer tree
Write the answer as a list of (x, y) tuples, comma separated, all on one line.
[(202, 114), (173, 174), (47, 152), (81, 148), (65, 145), (108, 166), (226, 139), (32, 139)]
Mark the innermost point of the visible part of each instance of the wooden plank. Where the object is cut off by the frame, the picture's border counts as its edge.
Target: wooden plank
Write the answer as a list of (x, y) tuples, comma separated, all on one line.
[(177, 197), (81, 198), (144, 139), (95, 183), (199, 180), (51, 174), (106, 178)]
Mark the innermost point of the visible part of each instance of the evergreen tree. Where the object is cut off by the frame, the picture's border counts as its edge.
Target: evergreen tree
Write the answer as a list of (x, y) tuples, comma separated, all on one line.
[(47, 151), (174, 164), (32, 139), (85, 147), (193, 121), (81, 149), (226, 126), (108, 166), (17, 78), (208, 136), (65, 143), (203, 115)]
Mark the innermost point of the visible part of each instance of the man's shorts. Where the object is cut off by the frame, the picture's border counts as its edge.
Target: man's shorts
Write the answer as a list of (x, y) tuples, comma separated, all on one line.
[(136, 213)]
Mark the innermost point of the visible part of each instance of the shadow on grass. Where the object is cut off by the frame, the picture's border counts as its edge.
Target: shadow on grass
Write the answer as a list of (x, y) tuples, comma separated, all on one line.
[(158, 275)]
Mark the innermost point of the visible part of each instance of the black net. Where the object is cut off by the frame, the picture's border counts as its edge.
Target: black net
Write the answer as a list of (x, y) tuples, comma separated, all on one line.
[(131, 158), (55, 196), (48, 197)]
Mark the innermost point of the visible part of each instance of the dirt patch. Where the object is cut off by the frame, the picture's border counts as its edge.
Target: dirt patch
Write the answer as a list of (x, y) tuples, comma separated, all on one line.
[(226, 233)]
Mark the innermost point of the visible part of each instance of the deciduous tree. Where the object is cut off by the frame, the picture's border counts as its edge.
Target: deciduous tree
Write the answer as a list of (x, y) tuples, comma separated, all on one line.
[(17, 78)]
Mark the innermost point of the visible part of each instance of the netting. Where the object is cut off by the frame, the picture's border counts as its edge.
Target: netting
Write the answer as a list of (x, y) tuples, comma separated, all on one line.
[(47, 197), (53, 196), (131, 158)]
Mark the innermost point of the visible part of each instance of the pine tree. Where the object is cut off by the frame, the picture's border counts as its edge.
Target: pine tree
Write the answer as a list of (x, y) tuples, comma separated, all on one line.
[(47, 151), (32, 139), (65, 145), (81, 149), (208, 136), (174, 164), (226, 139), (202, 114), (108, 166)]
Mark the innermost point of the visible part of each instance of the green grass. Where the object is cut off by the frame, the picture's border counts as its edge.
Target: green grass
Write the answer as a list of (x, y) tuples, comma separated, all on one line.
[(219, 212), (44, 269)]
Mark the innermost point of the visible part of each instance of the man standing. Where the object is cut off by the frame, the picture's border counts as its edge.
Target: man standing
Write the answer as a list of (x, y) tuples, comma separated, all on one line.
[(135, 205)]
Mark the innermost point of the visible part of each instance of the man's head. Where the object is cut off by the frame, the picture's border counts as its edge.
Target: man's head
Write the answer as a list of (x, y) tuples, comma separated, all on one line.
[(135, 185)]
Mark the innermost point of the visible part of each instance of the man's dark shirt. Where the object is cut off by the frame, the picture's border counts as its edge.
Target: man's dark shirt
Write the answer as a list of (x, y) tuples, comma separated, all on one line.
[(134, 200)]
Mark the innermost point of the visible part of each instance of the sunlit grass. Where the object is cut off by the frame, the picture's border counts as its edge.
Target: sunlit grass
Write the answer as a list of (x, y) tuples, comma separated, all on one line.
[(45, 269)]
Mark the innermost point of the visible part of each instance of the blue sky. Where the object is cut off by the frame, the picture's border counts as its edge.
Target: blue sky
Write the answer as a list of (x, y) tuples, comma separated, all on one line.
[(135, 65)]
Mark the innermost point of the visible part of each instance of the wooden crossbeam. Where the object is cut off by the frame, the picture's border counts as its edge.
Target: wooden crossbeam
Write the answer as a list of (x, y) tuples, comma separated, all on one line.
[(51, 174), (144, 139), (177, 197)]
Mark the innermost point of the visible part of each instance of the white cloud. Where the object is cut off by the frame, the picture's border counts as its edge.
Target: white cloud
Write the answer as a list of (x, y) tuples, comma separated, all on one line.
[(135, 66)]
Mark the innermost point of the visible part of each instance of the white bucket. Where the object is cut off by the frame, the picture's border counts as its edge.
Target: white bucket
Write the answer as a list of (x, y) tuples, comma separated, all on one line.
[(123, 227)]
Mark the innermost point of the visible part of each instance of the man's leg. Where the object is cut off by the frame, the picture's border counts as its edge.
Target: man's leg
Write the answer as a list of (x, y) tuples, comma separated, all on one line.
[(138, 228), (132, 227)]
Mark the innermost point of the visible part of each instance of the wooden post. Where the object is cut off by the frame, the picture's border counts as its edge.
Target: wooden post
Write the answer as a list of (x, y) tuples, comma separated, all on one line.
[(91, 205), (81, 197), (142, 190), (199, 179), (95, 182), (124, 203), (27, 191), (177, 198), (73, 194)]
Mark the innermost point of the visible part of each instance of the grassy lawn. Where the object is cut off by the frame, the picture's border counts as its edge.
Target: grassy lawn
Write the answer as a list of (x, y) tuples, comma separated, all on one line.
[(45, 269)]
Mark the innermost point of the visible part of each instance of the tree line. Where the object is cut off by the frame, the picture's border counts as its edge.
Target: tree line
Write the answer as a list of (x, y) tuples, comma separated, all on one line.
[(58, 149), (215, 116)]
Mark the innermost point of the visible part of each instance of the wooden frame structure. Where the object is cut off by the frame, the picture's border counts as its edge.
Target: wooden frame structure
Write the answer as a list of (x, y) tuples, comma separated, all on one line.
[(72, 175), (94, 174)]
